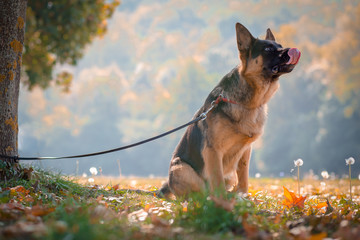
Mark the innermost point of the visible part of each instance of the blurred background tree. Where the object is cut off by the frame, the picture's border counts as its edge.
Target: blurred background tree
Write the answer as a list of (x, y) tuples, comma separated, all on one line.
[(57, 33)]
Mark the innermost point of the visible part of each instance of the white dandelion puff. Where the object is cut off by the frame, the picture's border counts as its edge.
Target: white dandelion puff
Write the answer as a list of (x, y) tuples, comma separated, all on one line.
[(93, 171), (350, 161), (299, 162), (325, 174)]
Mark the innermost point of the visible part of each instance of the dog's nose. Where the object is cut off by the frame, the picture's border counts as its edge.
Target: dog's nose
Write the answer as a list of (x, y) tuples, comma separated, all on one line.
[(284, 54)]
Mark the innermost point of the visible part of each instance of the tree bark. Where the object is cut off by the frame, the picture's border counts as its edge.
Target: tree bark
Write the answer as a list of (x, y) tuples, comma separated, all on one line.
[(12, 31)]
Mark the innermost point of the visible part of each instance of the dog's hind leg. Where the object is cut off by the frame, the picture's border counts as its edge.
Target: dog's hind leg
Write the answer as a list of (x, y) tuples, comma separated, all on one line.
[(183, 179)]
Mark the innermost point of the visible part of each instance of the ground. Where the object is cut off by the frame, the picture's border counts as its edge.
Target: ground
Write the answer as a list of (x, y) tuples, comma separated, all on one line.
[(52, 206)]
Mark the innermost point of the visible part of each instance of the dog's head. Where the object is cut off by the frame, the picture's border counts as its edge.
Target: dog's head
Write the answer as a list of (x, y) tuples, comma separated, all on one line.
[(264, 58)]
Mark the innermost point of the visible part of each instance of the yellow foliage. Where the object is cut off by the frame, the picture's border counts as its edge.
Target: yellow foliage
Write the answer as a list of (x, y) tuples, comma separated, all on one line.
[(286, 35)]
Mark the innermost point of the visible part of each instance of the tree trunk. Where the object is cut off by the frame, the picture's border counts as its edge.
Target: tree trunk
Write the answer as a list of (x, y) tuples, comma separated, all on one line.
[(12, 30)]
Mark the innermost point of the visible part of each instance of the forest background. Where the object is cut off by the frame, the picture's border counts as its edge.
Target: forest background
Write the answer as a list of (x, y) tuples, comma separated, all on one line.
[(158, 61)]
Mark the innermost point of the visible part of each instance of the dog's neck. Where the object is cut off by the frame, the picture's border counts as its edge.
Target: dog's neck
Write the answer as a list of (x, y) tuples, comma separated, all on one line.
[(260, 91)]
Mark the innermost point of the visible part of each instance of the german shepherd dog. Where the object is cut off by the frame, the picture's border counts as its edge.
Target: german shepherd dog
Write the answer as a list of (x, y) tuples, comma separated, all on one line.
[(215, 153)]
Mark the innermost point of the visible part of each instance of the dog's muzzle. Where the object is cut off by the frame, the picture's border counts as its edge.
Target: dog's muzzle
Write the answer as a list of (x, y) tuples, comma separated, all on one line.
[(289, 58)]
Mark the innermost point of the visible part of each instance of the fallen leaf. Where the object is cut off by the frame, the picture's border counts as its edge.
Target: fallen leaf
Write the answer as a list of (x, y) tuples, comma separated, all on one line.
[(11, 211), (157, 221), (29, 198), (99, 198), (18, 189), (250, 229), (101, 212), (299, 232), (318, 236), (138, 216), (40, 210), (253, 192), (22, 230), (321, 205), (61, 226), (291, 200), (185, 206), (147, 207), (16, 206)]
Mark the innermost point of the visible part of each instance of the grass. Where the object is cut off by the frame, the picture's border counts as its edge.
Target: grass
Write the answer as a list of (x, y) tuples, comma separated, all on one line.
[(52, 206)]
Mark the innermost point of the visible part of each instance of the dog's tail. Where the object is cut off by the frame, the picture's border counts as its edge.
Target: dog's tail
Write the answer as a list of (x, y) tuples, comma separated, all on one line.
[(163, 192)]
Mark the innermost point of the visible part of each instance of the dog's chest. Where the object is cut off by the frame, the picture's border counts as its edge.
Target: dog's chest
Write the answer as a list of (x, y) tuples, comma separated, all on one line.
[(238, 129), (236, 133), (248, 124)]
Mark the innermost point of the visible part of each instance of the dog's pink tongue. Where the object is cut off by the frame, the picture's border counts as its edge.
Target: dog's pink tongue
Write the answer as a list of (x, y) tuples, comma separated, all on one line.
[(294, 55)]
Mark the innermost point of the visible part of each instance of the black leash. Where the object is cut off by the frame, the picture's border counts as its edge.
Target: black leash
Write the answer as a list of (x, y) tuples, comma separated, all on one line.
[(201, 117)]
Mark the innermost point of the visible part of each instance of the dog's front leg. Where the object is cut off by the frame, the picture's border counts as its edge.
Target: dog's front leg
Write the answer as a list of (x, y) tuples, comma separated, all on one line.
[(214, 170), (243, 172)]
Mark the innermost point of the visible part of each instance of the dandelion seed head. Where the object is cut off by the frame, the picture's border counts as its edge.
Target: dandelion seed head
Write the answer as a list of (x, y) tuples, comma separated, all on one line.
[(299, 162), (133, 183), (93, 171), (325, 174), (257, 175), (350, 161)]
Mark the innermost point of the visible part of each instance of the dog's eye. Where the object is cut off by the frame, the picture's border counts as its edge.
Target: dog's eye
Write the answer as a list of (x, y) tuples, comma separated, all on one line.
[(269, 49)]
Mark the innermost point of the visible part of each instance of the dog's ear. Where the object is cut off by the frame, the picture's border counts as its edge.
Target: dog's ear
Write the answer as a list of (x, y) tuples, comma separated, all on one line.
[(243, 37), (269, 35)]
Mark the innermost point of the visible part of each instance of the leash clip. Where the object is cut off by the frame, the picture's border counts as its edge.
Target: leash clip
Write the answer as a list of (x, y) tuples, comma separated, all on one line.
[(213, 104), (203, 116)]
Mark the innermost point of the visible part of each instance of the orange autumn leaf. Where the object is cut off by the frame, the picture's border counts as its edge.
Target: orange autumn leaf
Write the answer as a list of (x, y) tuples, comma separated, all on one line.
[(253, 192), (18, 189), (321, 205), (291, 200), (39, 210), (10, 206), (318, 236)]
